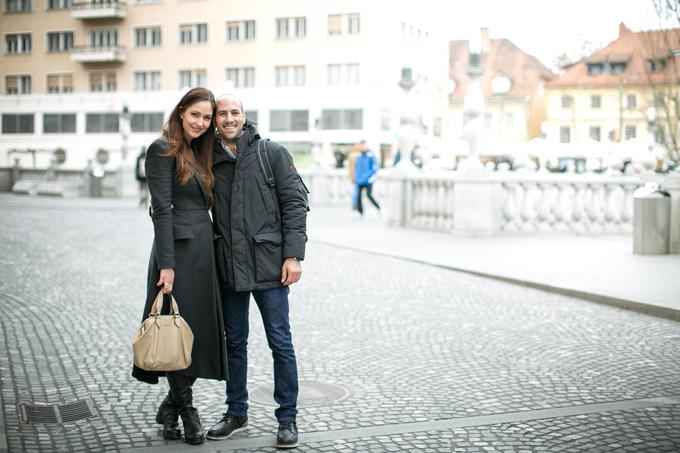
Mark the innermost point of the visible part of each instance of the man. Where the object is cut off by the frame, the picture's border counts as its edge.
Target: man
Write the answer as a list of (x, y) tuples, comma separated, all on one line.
[(261, 235), (365, 172)]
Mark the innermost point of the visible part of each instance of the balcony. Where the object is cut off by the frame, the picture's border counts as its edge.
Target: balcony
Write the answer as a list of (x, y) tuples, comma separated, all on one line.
[(99, 9), (98, 54)]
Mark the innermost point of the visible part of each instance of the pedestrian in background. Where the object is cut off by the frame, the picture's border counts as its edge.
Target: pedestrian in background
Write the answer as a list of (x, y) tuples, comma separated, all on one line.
[(179, 173), (351, 162), (260, 217), (140, 176), (365, 172)]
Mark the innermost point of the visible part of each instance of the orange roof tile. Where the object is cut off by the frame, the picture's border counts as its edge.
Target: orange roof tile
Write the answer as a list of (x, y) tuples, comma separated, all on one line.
[(634, 48)]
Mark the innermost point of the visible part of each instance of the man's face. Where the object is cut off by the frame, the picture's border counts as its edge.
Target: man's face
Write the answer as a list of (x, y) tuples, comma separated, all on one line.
[(229, 118)]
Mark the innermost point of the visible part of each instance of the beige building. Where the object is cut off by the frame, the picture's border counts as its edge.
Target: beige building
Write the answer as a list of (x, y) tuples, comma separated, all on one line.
[(618, 101), (512, 85), (98, 77)]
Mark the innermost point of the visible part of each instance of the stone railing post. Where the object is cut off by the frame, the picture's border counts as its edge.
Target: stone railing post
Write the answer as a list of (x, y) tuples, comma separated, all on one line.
[(478, 203), (672, 186)]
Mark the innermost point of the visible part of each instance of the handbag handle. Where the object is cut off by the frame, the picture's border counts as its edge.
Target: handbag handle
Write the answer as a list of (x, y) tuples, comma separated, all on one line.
[(158, 305)]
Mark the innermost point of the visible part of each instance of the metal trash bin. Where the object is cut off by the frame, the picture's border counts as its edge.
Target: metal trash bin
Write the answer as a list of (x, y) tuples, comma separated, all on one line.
[(95, 183), (651, 220)]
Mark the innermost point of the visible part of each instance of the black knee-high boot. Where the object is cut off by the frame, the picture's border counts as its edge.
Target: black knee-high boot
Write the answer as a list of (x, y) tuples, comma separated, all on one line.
[(180, 387), (168, 415)]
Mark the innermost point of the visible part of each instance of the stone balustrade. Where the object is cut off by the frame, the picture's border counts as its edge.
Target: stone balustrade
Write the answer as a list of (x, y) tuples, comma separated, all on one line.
[(505, 202)]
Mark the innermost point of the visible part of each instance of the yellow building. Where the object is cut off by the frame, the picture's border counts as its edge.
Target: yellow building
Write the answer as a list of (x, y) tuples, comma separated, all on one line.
[(625, 93)]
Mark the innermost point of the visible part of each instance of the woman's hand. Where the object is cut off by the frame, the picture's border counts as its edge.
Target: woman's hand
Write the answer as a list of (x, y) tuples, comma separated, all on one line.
[(166, 280)]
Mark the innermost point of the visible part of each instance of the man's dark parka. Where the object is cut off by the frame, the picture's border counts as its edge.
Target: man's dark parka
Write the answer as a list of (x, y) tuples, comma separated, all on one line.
[(257, 226)]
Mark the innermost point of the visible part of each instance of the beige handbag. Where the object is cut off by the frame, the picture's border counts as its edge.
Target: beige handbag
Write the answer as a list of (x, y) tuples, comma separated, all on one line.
[(163, 342)]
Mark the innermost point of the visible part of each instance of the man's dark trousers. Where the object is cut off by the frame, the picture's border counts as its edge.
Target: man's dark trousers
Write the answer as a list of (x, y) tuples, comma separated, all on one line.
[(273, 305)]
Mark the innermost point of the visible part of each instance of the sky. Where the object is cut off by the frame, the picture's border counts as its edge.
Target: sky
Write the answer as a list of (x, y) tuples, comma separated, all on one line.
[(546, 28)]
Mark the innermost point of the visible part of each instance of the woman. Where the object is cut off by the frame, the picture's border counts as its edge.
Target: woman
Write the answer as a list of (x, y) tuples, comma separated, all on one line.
[(178, 171)]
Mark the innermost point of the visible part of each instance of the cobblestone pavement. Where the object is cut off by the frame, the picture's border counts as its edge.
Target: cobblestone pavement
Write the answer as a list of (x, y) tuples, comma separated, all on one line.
[(433, 360)]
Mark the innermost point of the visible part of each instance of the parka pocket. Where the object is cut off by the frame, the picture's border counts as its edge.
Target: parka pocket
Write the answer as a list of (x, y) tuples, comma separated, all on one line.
[(268, 249), (182, 231)]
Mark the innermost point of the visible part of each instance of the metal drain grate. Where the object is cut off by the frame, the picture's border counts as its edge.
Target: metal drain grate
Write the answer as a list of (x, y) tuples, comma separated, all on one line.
[(38, 413), (310, 393)]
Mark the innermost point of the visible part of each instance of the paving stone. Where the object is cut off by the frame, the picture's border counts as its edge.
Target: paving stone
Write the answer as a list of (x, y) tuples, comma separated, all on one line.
[(412, 343)]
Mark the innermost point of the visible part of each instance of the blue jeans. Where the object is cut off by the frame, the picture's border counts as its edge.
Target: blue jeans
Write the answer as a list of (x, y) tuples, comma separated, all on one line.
[(273, 305)]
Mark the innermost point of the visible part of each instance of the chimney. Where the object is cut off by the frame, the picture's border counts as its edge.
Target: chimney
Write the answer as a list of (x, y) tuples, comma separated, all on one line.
[(486, 40), (623, 29)]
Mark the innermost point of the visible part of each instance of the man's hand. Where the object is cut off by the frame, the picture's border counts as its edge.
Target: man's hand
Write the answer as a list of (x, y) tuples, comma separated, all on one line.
[(291, 271)]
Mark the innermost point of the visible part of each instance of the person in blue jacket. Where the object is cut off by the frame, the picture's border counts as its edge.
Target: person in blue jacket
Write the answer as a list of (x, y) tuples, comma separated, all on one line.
[(365, 173)]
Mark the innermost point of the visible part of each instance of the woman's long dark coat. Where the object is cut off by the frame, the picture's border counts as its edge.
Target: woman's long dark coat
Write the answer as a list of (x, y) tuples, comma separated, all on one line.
[(183, 240)]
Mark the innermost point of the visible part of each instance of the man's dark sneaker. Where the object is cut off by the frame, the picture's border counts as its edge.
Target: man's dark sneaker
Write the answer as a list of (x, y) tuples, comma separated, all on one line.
[(227, 426), (287, 436)]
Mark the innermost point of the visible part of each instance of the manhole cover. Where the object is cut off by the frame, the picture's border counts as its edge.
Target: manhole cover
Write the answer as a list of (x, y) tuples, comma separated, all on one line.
[(310, 393), (65, 413)]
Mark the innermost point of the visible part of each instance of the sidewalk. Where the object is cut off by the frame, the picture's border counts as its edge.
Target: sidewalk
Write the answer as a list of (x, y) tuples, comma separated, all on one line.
[(597, 268)]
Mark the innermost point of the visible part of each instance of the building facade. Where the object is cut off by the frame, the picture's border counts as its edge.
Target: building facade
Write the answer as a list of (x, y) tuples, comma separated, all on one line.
[(512, 84), (619, 101), (95, 80)]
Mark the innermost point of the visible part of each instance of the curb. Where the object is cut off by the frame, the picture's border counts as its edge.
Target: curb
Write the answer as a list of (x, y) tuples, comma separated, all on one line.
[(626, 304)]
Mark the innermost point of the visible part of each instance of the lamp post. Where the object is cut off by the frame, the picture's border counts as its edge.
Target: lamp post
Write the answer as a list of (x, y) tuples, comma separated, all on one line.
[(407, 129), (473, 111), (124, 127)]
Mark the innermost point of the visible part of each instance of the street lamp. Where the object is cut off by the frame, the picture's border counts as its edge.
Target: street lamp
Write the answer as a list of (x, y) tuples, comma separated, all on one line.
[(473, 111), (124, 127), (407, 130)]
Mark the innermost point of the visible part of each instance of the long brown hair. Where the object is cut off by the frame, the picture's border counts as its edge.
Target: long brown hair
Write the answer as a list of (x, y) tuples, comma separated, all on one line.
[(195, 157)]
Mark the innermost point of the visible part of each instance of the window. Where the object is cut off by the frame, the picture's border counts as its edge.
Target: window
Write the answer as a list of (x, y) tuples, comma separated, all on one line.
[(146, 122), (148, 37), (59, 123), (18, 43), (565, 134), (60, 83), (353, 24), (142, 2), (233, 29), (18, 123), (567, 101), (659, 100), (58, 4), (147, 80), (631, 101), (59, 41), (193, 33), (18, 84), (334, 24), (595, 68), (286, 76), (291, 27), (618, 67), (17, 6), (289, 120), (102, 81), (595, 133), (252, 115), (189, 78), (509, 120), (103, 37), (656, 65), (437, 127), (342, 74), (596, 102), (243, 30), (630, 132), (385, 120), (101, 122), (241, 77), (344, 24), (341, 119)]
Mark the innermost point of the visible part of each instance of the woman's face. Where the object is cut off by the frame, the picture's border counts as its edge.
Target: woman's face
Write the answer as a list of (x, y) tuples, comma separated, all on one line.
[(196, 119)]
